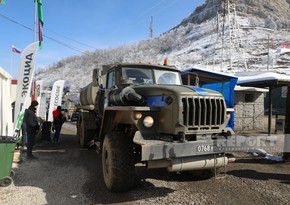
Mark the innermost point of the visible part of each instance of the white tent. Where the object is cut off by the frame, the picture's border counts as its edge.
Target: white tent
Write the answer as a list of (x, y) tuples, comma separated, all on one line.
[(6, 125)]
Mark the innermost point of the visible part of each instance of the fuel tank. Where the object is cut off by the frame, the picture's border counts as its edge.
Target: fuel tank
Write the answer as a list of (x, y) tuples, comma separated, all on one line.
[(88, 95)]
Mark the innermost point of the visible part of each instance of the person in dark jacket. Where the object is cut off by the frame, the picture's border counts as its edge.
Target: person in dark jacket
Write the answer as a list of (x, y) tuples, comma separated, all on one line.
[(58, 120), (31, 127)]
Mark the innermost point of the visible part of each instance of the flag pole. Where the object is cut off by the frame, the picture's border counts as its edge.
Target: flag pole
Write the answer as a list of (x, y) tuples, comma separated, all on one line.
[(34, 40), (11, 61), (34, 33)]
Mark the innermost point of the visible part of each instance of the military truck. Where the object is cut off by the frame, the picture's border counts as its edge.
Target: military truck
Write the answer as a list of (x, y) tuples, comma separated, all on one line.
[(143, 114)]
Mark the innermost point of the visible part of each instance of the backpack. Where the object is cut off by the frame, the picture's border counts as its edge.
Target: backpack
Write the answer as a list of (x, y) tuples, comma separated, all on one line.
[(60, 119)]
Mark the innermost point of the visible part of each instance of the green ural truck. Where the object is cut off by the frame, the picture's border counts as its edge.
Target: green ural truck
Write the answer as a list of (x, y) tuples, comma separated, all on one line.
[(142, 113)]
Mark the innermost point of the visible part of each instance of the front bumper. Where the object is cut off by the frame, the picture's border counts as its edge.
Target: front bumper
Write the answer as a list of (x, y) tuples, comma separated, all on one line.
[(157, 149)]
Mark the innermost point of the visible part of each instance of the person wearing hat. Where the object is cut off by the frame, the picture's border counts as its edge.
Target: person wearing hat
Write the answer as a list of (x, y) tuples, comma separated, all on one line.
[(58, 120), (31, 127)]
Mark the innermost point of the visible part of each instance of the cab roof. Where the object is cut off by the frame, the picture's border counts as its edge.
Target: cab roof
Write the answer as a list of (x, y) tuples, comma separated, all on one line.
[(138, 65)]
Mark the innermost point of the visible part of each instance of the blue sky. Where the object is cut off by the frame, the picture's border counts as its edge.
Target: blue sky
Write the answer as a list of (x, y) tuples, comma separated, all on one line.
[(74, 26)]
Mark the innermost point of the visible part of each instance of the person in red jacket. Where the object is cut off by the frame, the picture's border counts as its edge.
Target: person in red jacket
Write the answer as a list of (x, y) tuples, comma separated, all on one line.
[(58, 120)]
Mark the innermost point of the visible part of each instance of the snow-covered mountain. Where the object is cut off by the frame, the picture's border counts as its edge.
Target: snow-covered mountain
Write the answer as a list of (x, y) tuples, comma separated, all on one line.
[(224, 35)]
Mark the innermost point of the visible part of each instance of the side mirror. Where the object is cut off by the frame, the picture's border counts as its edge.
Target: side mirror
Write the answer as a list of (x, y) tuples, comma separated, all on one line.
[(196, 81), (97, 77)]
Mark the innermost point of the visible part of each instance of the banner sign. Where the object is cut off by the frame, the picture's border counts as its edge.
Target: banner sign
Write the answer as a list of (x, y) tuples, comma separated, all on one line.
[(56, 97), (42, 109), (24, 83)]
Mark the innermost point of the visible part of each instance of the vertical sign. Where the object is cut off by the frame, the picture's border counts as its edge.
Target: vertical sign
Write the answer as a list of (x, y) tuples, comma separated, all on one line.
[(56, 97)]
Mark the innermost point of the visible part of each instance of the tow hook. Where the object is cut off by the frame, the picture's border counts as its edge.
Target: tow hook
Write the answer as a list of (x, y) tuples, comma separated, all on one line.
[(182, 137)]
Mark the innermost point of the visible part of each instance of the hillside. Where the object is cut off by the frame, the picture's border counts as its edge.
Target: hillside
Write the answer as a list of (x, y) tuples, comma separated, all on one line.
[(277, 9), (212, 37)]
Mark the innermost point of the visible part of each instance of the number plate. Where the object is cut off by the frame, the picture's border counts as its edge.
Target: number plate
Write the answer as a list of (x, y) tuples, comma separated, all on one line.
[(204, 148)]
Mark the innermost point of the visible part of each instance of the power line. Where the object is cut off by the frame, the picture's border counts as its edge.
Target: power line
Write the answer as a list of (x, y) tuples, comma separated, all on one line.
[(79, 50), (81, 43), (9, 19), (151, 8), (134, 23), (48, 37), (158, 11), (63, 44)]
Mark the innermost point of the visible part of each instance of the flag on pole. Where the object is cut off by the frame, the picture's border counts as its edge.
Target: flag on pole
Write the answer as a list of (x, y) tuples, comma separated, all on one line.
[(14, 49), (2, 1), (40, 21)]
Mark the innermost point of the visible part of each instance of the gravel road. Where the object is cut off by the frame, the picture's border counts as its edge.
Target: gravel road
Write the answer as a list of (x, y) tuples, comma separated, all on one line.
[(66, 174)]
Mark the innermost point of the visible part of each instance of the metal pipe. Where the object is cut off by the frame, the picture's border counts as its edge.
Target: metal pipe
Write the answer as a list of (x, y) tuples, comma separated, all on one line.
[(268, 52), (197, 163), (270, 112)]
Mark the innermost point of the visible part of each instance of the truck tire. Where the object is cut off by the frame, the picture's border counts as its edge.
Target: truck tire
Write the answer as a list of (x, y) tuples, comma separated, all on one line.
[(81, 131), (85, 131), (118, 162)]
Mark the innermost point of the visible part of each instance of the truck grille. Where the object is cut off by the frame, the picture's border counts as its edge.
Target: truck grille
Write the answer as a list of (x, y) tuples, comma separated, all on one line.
[(203, 112)]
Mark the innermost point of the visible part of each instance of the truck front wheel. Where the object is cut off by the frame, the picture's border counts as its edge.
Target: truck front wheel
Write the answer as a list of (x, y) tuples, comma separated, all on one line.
[(118, 162)]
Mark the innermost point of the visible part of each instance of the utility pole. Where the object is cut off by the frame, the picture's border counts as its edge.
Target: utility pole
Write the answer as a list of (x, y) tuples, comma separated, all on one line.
[(234, 31), (231, 40), (268, 52), (286, 153), (230, 33), (151, 27)]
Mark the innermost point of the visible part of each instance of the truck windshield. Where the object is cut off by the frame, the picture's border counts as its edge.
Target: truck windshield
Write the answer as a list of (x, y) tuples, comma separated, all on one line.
[(141, 76), (167, 77), (138, 75)]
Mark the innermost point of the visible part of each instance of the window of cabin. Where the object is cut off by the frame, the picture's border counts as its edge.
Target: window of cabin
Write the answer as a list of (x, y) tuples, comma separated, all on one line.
[(249, 97), (111, 79)]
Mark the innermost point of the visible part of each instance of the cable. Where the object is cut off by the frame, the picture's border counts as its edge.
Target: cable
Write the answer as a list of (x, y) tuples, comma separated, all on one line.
[(63, 44), (135, 23), (79, 50), (52, 39), (151, 8), (9, 19), (158, 11), (70, 39)]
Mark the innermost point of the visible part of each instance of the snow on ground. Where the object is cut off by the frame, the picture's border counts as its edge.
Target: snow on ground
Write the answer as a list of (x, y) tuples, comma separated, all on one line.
[(261, 152)]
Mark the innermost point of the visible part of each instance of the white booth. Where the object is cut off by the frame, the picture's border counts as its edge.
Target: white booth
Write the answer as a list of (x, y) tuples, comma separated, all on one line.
[(6, 125)]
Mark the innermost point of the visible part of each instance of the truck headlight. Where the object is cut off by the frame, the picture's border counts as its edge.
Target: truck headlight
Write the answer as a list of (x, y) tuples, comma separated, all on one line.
[(148, 121), (137, 115)]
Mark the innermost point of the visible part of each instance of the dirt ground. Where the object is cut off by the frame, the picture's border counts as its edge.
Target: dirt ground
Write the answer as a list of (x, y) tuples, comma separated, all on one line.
[(66, 174)]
